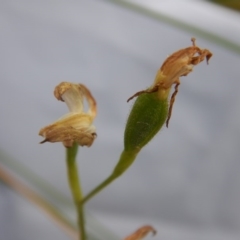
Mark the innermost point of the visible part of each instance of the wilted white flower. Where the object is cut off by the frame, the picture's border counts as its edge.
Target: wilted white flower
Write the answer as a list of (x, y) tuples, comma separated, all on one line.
[(76, 126)]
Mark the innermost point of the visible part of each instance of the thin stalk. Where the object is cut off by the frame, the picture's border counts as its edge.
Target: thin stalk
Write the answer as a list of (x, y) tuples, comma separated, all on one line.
[(125, 161), (75, 187), (146, 118)]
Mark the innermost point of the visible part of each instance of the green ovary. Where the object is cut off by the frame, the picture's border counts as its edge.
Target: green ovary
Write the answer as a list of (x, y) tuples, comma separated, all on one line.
[(147, 116)]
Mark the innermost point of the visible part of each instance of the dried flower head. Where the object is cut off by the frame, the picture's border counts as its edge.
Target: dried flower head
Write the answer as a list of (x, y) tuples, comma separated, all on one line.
[(178, 64), (76, 126)]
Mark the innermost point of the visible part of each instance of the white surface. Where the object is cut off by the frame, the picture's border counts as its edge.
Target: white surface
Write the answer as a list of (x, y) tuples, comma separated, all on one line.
[(189, 174)]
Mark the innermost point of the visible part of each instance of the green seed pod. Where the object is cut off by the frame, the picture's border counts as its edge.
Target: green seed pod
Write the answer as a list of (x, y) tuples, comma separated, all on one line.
[(148, 115)]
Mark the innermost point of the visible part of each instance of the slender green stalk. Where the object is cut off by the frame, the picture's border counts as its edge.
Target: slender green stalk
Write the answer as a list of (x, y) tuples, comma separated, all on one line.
[(126, 159), (75, 187), (145, 120)]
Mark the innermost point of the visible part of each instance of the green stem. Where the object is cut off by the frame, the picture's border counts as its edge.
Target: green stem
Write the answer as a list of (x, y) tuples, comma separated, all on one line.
[(125, 161), (148, 115), (75, 187)]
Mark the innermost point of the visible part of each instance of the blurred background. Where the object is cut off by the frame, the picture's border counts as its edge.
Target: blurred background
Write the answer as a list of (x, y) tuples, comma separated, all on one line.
[(185, 183)]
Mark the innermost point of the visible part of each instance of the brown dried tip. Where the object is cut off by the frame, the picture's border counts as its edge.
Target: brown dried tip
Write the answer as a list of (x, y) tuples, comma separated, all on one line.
[(75, 126), (141, 233), (62, 88), (179, 64)]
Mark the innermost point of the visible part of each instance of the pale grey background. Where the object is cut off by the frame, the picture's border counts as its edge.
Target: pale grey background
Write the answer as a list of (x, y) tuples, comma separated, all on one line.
[(186, 181)]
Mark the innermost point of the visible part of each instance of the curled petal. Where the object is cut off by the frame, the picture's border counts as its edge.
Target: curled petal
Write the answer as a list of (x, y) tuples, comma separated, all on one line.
[(178, 64), (91, 101), (76, 126), (72, 94), (70, 129)]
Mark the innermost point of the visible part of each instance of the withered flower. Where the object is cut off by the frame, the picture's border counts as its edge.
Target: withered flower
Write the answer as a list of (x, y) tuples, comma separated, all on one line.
[(76, 126), (178, 64)]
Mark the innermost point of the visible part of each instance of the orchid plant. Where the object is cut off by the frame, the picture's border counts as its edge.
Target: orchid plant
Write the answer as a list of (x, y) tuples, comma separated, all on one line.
[(150, 111)]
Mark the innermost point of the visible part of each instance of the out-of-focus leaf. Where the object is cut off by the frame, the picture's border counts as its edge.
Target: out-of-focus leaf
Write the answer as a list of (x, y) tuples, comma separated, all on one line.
[(179, 24), (95, 230)]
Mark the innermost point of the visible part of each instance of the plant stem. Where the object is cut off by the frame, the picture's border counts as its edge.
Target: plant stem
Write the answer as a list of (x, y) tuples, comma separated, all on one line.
[(125, 161), (75, 187), (146, 118)]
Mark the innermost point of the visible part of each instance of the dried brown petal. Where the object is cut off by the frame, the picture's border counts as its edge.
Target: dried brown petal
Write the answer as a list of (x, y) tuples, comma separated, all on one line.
[(75, 126), (178, 64), (61, 88), (141, 233), (70, 129)]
